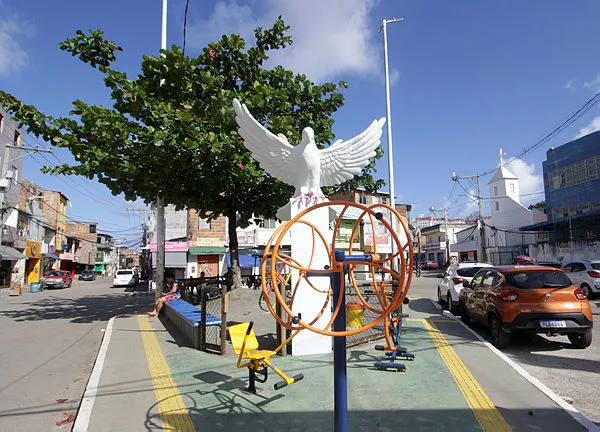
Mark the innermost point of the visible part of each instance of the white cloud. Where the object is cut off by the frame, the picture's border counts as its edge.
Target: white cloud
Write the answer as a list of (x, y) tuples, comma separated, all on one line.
[(529, 182), (12, 55), (568, 85), (592, 127), (593, 84), (331, 38)]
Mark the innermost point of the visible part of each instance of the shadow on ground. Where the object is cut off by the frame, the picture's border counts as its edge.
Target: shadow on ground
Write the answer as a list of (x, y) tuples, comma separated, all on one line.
[(84, 309)]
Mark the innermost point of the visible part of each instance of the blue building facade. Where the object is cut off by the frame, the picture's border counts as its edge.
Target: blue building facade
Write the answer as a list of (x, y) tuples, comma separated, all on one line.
[(572, 188)]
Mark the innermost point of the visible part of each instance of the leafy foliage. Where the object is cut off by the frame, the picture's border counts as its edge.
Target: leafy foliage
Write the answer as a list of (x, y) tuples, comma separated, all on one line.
[(171, 131)]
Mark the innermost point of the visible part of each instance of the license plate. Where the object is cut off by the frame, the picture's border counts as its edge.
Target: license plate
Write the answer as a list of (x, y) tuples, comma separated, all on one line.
[(553, 324)]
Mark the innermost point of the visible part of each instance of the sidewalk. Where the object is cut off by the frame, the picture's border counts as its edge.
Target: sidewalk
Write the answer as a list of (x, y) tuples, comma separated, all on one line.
[(145, 378)]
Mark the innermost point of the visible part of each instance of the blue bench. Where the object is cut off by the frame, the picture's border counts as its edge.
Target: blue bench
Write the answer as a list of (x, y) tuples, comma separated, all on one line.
[(188, 319)]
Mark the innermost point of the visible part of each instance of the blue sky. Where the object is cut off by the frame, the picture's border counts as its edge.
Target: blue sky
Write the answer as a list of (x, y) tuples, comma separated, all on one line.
[(468, 78)]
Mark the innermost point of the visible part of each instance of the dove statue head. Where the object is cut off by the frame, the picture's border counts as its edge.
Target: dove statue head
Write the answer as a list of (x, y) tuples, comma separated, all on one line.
[(308, 134)]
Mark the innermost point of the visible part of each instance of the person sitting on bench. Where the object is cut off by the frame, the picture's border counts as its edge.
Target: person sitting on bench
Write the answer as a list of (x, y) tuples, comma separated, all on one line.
[(171, 292)]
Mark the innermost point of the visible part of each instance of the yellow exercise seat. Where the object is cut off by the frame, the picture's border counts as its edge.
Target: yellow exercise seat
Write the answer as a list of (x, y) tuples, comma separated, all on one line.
[(245, 344)]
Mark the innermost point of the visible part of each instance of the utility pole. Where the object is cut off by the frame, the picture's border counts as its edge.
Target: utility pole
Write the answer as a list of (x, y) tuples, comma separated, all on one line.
[(481, 223)]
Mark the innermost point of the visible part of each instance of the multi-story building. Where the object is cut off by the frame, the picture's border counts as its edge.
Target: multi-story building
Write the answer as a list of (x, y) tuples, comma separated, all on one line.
[(55, 218), (572, 189), (106, 255), (31, 230), (208, 241), (81, 246), (438, 241), (176, 241), (12, 260)]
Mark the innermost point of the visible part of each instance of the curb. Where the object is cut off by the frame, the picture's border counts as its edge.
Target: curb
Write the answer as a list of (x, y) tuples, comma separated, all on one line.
[(89, 396), (574, 413)]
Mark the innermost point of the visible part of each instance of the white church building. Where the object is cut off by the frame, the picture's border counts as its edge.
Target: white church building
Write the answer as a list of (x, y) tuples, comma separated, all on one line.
[(503, 240)]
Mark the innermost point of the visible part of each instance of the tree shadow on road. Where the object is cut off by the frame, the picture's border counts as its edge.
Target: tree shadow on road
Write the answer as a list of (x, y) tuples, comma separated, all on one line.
[(86, 309)]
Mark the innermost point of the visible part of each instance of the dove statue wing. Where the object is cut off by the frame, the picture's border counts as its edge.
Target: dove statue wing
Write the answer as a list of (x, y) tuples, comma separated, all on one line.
[(273, 152), (344, 159)]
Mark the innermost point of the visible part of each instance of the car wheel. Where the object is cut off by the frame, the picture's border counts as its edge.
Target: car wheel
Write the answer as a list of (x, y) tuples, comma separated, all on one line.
[(440, 300), (588, 290), (581, 340), (464, 312), (451, 306), (500, 339)]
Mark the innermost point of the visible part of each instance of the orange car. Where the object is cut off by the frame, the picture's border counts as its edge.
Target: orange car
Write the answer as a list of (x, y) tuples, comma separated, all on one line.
[(530, 298)]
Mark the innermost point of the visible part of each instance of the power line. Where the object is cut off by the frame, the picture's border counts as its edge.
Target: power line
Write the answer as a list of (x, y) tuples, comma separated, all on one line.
[(588, 105)]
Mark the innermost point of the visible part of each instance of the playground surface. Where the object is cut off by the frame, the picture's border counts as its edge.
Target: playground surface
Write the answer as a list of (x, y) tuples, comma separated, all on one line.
[(147, 378)]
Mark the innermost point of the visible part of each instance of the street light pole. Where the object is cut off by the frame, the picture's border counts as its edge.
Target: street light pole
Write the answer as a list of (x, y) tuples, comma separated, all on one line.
[(160, 202), (388, 109), (390, 153)]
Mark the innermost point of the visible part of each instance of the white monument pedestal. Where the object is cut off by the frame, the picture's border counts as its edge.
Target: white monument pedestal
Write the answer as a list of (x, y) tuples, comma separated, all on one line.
[(310, 252)]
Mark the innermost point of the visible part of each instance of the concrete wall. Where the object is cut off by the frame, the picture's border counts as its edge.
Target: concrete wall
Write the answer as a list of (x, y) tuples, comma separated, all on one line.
[(564, 252)]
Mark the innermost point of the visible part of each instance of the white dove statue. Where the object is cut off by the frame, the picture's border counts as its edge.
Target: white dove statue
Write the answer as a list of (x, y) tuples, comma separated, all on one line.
[(305, 166)]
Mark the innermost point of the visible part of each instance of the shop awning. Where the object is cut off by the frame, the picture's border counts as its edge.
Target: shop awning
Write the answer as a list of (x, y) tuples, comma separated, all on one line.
[(246, 261), (206, 250), (51, 255), (10, 254)]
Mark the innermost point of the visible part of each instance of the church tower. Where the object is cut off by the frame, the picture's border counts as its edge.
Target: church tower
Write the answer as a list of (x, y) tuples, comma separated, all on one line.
[(503, 185)]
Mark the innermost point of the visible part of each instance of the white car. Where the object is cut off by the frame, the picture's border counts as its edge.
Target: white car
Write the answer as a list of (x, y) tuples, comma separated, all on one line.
[(584, 274), (125, 277), (452, 281)]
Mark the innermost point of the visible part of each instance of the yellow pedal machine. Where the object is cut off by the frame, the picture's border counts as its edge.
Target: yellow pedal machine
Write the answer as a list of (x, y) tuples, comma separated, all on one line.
[(257, 361)]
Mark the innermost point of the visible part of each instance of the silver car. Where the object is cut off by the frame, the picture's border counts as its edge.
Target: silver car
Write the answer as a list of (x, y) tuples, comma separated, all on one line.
[(452, 281), (584, 274)]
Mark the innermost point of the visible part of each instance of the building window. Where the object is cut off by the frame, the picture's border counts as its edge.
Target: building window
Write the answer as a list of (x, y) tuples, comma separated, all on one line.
[(362, 197), (15, 172), (512, 188), (1, 122), (203, 224), (384, 200), (495, 190), (497, 206), (268, 224), (17, 138)]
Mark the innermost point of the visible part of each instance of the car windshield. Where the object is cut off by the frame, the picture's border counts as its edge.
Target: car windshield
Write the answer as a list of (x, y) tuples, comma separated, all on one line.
[(596, 265), (125, 272), (538, 279), (55, 273), (467, 271), (88, 272)]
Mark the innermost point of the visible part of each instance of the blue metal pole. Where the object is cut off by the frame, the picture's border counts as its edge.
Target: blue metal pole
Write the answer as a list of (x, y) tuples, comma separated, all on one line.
[(340, 379)]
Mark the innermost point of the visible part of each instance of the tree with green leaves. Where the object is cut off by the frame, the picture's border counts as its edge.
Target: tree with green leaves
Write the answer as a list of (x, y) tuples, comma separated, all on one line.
[(171, 131)]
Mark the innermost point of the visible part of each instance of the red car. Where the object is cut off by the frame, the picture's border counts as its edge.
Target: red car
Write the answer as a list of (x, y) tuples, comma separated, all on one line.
[(56, 279)]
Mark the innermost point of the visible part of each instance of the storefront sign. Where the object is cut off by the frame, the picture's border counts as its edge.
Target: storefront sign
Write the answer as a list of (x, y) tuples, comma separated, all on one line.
[(171, 246), (66, 256), (209, 242), (34, 249)]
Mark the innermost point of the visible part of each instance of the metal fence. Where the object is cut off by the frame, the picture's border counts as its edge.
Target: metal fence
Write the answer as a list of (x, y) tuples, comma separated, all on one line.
[(210, 295)]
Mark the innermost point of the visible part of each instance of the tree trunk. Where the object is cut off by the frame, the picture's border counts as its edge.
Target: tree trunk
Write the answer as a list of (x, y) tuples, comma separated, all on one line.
[(233, 248)]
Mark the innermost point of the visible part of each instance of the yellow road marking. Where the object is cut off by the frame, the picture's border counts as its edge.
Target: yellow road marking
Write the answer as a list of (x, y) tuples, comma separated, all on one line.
[(485, 411), (171, 408)]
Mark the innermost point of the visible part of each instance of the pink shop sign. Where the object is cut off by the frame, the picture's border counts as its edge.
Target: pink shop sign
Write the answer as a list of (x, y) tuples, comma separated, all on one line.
[(171, 246)]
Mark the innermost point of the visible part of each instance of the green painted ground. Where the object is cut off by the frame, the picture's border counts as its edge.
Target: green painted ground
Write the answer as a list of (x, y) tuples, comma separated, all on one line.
[(425, 398)]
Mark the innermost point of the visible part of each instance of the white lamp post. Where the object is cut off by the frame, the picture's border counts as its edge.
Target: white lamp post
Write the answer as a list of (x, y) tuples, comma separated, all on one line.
[(388, 109)]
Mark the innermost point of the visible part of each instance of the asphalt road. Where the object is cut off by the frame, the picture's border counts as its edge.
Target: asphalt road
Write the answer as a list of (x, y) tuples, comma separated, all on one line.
[(571, 373), (48, 345)]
